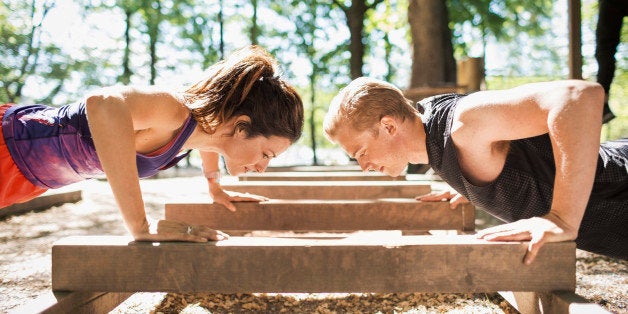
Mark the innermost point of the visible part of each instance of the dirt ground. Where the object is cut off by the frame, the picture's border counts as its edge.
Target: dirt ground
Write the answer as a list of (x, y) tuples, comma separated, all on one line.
[(26, 241)]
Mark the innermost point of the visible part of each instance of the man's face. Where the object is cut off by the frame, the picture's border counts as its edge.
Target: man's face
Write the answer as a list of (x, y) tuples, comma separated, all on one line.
[(378, 152)]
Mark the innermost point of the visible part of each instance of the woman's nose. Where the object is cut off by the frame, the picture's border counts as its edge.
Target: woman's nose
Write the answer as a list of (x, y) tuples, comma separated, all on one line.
[(262, 165)]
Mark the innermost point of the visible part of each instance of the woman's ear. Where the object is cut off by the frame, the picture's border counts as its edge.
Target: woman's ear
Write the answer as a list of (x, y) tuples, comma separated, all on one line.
[(241, 126), (388, 124)]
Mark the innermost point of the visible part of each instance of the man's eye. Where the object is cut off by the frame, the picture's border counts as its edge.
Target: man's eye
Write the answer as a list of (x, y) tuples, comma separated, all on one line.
[(265, 156)]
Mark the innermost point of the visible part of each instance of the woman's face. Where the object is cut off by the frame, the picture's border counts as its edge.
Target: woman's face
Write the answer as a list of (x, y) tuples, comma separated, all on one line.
[(253, 154)]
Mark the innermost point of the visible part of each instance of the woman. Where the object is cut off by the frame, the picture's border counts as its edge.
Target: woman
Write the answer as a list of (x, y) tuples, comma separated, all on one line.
[(241, 111)]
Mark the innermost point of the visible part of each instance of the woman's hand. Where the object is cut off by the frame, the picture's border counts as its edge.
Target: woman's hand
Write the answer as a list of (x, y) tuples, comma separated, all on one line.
[(226, 198), (169, 230), (452, 196), (537, 230)]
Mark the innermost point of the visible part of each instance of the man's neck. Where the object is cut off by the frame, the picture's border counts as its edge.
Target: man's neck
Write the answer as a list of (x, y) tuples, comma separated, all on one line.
[(417, 140)]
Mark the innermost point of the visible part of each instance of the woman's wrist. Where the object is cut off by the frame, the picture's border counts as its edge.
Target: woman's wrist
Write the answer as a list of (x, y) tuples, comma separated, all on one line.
[(212, 175)]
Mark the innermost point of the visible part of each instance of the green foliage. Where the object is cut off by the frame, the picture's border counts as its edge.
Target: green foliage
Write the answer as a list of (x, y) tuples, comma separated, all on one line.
[(510, 22), (25, 57)]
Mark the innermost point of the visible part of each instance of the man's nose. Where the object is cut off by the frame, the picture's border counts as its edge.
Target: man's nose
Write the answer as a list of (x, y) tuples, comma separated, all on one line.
[(363, 165)]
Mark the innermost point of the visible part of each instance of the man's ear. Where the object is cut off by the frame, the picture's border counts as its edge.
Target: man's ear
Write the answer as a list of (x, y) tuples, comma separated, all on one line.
[(388, 124), (241, 126)]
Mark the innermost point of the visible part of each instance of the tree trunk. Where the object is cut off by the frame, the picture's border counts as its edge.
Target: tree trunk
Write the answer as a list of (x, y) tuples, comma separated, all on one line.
[(154, 18), (313, 113), (125, 78), (254, 28), (355, 22), (221, 24), (433, 62)]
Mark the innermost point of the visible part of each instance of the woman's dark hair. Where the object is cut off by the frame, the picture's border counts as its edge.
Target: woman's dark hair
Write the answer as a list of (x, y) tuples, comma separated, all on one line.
[(245, 83)]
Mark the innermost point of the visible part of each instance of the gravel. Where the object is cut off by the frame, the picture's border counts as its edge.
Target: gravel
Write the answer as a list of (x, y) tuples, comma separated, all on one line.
[(26, 241)]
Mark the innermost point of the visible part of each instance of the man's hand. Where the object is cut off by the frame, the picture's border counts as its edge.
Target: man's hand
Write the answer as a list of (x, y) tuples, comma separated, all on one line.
[(537, 230), (168, 230), (452, 196)]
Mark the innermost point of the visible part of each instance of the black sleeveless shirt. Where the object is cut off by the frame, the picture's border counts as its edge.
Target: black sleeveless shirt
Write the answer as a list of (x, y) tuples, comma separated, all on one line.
[(524, 187)]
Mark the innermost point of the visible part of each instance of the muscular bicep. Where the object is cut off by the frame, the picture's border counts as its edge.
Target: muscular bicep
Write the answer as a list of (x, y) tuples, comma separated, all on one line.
[(495, 116)]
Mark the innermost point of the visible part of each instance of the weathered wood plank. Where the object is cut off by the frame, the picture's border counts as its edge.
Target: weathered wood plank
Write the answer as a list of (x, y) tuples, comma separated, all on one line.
[(336, 168), (74, 302), (558, 302), (318, 176), (334, 215), (248, 264), (331, 190), (49, 199)]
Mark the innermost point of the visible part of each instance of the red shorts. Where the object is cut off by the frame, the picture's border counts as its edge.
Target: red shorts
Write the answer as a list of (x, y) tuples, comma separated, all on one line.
[(14, 187)]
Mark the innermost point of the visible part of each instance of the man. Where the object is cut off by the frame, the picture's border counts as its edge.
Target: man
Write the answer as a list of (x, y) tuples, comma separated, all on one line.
[(530, 156)]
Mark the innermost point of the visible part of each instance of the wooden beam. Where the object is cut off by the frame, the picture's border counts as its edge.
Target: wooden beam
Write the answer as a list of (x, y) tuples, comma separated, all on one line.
[(49, 199), (559, 302), (331, 190), (74, 302), (331, 215), (380, 264), (343, 168), (318, 176)]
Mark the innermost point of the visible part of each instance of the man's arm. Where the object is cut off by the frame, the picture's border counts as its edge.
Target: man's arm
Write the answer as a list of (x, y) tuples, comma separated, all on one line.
[(571, 113)]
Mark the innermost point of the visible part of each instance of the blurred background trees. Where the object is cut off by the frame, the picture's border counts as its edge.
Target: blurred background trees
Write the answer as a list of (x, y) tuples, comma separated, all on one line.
[(54, 51)]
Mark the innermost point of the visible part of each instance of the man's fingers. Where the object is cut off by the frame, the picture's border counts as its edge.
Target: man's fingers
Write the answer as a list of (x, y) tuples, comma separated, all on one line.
[(434, 196), (508, 236), (533, 250), (457, 200), (496, 229)]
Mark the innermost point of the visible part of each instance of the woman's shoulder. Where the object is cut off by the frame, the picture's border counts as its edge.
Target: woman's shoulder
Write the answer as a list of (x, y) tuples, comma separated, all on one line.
[(159, 107)]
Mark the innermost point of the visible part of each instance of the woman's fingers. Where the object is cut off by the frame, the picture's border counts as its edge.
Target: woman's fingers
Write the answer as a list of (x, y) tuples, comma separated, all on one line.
[(226, 203), (208, 233), (168, 230)]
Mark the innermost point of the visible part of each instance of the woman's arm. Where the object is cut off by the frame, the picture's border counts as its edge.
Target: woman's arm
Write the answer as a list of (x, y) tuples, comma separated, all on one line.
[(114, 116), (571, 113)]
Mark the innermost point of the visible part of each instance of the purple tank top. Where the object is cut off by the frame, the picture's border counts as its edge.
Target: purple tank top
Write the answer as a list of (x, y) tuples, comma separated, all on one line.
[(53, 146)]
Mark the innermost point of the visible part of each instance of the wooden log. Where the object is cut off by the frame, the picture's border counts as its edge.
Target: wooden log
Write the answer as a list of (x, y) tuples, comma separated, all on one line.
[(418, 93), (75, 302), (49, 199), (331, 190), (470, 73), (248, 264), (336, 168), (318, 176), (329, 215), (559, 302)]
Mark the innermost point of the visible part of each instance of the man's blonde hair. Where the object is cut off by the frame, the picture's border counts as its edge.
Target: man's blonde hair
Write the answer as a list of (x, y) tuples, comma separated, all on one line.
[(362, 104)]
